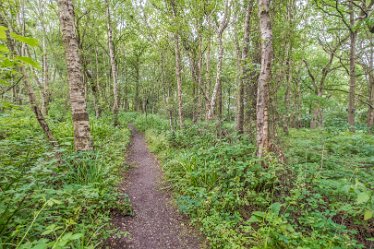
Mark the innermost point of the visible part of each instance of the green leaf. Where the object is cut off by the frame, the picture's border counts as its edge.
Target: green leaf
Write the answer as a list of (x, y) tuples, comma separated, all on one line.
[(3, 48), (29, 61), (41, 244), (259, 214), (362, 198), (3, 32), (275, 208), (51, 228), (368, 214), (28, 40)]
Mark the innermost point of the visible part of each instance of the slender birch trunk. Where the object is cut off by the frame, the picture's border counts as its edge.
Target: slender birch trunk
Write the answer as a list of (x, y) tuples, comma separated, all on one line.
[(45, 90), (352, 69), (178, 69), (243, 68), (262, 122), (113, 66), (207, 78), (370, 72), (82, 134), (217, 86)]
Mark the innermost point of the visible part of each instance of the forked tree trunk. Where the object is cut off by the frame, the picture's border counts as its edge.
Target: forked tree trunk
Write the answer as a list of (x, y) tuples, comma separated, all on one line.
[(82, 134), (262, 122), (217, 86), (113, 66)]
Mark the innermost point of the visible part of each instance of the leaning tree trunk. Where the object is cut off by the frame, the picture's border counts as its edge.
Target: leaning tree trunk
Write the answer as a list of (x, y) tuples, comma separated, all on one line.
[(82, 134), (262, 122), (113, 67), (38, 113), (217, 86)]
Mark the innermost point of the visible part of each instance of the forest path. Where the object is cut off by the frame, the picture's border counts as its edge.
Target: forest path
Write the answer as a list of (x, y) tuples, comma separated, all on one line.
[(156, 223)]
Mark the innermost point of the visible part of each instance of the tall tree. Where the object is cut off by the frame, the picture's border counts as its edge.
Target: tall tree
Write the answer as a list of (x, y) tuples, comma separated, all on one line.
[(82, 134), (113, 65), (262, 122), (243, 68), (221, 27), (178, 66), (352, 67)]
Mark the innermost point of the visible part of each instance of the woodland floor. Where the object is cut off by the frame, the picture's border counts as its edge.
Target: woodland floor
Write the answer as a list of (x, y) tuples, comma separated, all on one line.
[(156, 223)]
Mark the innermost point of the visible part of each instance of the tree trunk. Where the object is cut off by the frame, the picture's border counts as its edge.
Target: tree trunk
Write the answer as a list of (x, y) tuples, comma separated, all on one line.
[(262, 122), (352, 69), (317, 120), (82, 134), (243, 69), (45, 90), (38, 113), (217, 86), (287, 97), (207, 78), (96, 86), (137, 105), (200, 72), (179, 79), (178, 69), (370, 72), (113, 65)]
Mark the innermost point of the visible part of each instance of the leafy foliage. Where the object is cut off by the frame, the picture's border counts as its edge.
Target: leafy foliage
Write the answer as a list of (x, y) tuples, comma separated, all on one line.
[(45, 204), (322, 198)]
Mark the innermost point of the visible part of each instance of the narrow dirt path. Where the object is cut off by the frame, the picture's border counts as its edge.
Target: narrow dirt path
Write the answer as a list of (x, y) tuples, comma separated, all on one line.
[(156, 223)]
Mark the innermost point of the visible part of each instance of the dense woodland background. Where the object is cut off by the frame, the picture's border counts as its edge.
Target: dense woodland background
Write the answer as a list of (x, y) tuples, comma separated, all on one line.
[(261, 113)]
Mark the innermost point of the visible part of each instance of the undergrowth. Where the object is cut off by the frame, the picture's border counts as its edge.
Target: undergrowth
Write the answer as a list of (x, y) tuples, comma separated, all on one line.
[(44, 204), (321, 198)]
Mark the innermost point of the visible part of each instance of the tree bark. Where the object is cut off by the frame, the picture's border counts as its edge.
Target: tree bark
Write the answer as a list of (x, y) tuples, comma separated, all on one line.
[(352, 69), (207, 78), (262, 122), (82, 134), (45, 90), (287, 97), (96, 86), (113, 65), (217, 86), (178, 68), (370, 73), (243, 69)]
